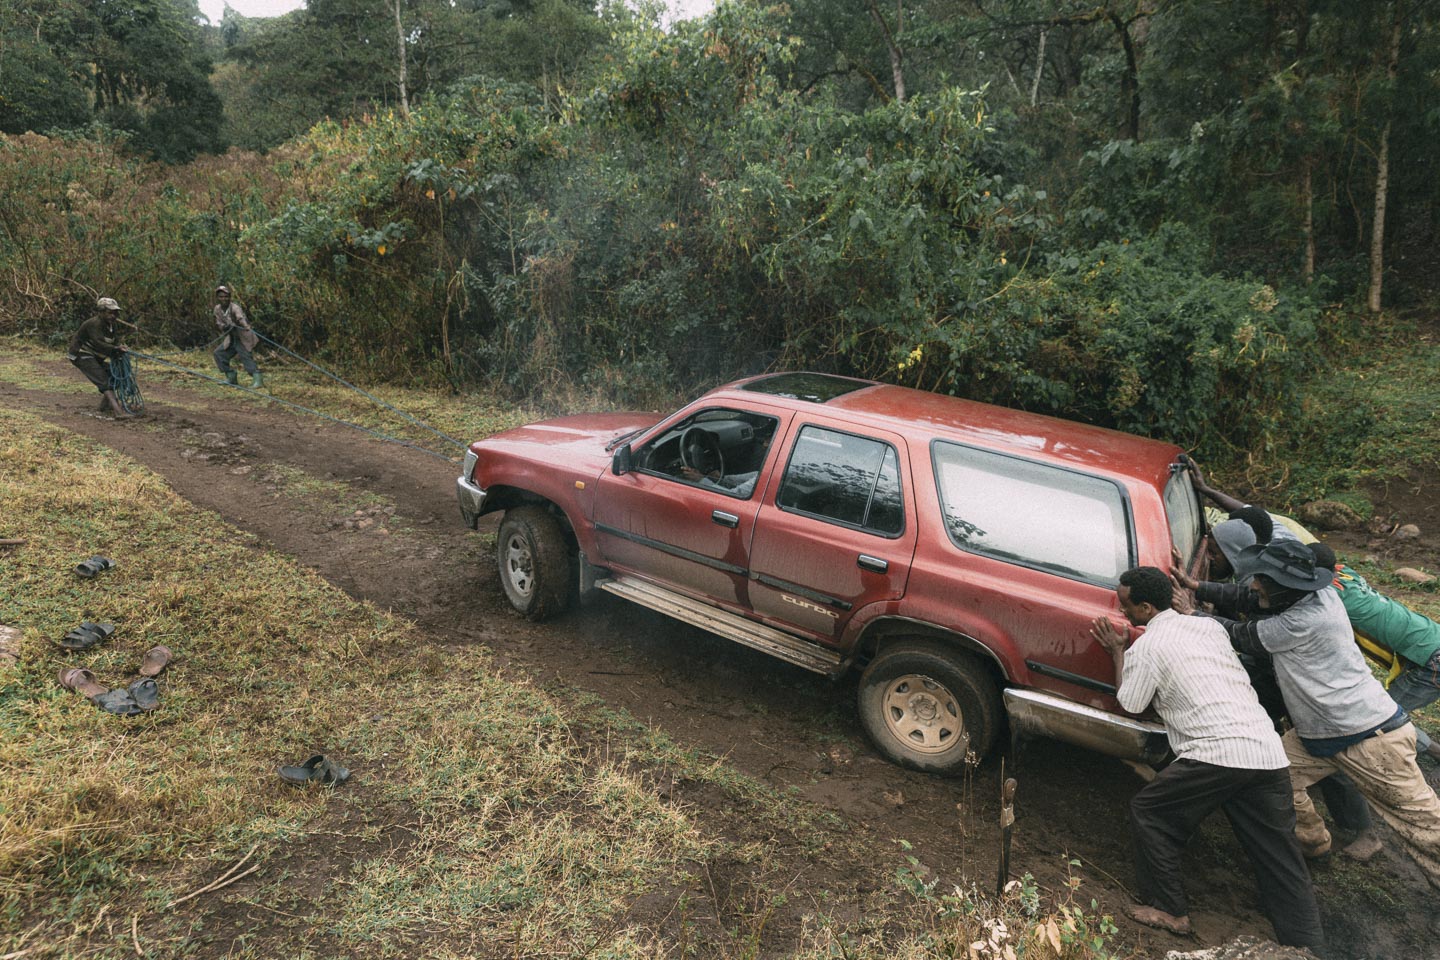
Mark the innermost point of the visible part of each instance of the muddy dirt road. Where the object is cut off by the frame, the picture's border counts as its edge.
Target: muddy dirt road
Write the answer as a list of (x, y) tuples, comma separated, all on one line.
[(773, 721)]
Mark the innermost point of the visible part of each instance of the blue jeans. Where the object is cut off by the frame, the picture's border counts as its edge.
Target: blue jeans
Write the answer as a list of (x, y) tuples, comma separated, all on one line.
[(1417, 687)]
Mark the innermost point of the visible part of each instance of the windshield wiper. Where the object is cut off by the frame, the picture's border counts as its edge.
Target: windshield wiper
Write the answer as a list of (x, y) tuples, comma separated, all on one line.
[(621, 439)]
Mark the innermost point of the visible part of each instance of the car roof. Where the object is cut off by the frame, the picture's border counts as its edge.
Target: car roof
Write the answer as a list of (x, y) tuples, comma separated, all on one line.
[(904, 410)]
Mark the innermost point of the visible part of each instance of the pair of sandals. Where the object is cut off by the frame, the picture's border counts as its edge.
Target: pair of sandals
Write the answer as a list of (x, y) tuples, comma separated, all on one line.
[(142, 695), (318, 769)]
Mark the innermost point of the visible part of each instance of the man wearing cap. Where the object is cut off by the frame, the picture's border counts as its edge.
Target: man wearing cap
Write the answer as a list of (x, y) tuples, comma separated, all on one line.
[(1228, 757), (1344, 720), (92, 348), (239, 340)]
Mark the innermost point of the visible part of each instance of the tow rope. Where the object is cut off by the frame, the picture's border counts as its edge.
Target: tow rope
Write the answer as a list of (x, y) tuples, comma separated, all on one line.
[(384, 437), (122, 381)]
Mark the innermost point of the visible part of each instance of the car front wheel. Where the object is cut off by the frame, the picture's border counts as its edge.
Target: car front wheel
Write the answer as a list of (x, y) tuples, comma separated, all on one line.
[(537, 566), (929, 707)]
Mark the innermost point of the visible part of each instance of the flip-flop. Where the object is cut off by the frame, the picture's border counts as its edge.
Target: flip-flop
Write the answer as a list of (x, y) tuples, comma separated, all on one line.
[(87, 635), (145, 693), (155, 660), (92, 568), (82, 681), (318, 769)]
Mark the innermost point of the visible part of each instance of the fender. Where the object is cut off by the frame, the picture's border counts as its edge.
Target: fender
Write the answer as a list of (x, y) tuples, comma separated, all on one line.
[(870, 630)]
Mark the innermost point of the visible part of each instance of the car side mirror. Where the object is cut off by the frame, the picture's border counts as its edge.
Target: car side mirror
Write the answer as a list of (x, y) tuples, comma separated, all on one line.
[(620, 463)]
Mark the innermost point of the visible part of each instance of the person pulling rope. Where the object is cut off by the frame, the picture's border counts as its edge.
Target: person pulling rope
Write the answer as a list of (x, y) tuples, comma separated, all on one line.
[(94, 347), (239, 340)]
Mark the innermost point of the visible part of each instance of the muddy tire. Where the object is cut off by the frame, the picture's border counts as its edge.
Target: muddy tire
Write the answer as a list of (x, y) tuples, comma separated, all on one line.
[(536, 563), (929, 707)]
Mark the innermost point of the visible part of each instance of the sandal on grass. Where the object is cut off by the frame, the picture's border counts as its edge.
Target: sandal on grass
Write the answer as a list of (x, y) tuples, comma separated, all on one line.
[(93, 567), (118, 702), (87, 635), (155, 660), (82, 681), (145, 694), (318, 769)]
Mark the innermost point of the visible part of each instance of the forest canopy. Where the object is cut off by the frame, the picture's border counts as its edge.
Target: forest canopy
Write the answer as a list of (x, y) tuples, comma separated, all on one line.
[(1143, 213)]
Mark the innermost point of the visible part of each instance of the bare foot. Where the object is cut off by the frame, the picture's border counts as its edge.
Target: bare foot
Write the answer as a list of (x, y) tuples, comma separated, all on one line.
[(1155, 917), (1365, 846)]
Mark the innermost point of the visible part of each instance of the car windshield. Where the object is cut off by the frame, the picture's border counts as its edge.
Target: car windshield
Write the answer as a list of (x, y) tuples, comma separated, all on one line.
[(1182, 508)]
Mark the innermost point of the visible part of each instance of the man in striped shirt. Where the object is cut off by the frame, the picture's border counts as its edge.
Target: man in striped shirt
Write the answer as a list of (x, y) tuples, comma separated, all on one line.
[(1228, 757)]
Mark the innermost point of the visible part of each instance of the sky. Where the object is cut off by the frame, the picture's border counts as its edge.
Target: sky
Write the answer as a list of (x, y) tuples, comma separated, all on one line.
[(214, 9)]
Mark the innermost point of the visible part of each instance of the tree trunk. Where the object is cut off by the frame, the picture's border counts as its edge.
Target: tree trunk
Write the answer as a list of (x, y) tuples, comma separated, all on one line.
[(1039, 69), (1307, 214), (897, 70), (400, 43), (1129, 80), (1382, 171)]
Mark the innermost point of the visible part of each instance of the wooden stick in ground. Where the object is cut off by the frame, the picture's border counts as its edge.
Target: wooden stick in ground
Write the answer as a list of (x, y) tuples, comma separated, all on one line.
[(11, 542), (1007, 829), (135, 934)]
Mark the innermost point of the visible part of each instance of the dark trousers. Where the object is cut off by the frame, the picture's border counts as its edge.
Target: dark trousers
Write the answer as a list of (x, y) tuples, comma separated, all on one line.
[(1167, 812), (96, 371), (223, 355)]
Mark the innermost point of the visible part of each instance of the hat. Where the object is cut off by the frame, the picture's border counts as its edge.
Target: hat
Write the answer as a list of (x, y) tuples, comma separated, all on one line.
[(105, 303), (222, 289), (1289, 563)]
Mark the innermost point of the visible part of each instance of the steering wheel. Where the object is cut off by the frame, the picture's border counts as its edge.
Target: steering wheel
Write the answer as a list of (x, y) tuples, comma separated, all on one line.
[(700, 451)]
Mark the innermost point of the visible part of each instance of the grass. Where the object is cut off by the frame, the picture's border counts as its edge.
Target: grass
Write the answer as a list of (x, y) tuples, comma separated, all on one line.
[(487, 815)]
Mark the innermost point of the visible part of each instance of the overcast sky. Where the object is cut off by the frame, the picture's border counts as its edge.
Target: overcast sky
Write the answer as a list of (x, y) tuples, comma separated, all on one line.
[(214, 9)]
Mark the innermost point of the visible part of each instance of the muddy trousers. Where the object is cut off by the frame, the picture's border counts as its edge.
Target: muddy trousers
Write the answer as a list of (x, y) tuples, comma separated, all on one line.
[(1384, 770), (224, 354), (1168, 811), (96, 371)]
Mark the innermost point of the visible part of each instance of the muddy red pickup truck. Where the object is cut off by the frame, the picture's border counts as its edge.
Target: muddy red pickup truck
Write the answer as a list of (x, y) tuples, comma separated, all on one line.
[(954, 552)]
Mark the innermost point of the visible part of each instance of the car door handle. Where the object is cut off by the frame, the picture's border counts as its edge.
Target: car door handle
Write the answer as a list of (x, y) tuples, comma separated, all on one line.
[(725, 519), (867, 562)]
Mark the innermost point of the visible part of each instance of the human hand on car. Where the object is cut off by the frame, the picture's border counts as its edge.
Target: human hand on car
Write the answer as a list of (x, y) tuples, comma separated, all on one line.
[(1105, 633)]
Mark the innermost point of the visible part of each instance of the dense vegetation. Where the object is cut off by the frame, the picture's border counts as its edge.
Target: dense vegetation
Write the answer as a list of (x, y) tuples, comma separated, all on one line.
[(1157, 215)]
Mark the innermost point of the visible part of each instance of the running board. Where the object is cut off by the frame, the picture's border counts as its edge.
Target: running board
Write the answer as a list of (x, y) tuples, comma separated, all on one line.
[(725, 624)]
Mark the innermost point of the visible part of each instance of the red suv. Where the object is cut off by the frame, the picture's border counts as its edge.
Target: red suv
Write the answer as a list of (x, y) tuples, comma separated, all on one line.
[(956, 551)]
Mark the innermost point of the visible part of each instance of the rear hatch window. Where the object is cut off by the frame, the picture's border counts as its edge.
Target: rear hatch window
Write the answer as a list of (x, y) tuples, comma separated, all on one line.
[(1182, 509)]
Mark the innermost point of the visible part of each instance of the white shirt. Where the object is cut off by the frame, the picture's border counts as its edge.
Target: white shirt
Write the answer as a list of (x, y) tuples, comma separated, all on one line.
[(1186, 666)]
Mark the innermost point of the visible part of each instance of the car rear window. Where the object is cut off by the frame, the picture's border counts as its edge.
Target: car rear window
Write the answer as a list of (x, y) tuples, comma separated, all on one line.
[(1182, 508), (1061, 521), (846, 479)]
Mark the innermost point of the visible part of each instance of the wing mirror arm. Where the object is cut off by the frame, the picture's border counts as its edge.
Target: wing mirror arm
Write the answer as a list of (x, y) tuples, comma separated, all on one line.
[(620, 463)]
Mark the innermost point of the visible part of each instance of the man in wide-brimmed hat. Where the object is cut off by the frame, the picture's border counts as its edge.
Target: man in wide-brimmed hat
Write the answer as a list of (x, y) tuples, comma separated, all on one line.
[(1344, 719), (240, 339), (93, 346)]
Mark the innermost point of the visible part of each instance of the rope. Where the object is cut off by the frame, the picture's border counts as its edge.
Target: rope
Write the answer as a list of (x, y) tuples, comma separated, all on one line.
[(372, 397), (324, 416), (122, 381)]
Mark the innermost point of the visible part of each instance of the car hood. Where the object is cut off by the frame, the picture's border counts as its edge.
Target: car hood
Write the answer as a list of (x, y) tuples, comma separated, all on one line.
[(574, 440)]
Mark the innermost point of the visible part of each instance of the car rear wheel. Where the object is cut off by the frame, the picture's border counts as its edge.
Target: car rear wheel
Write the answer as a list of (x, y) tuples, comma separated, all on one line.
[(929, 707), (537, 566)]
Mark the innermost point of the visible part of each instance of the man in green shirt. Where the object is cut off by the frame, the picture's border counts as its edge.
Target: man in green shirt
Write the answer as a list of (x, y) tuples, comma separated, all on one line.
[(1388, 623), (93, 346)]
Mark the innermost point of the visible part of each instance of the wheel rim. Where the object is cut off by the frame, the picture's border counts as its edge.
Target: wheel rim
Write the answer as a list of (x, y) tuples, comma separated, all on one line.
[(923, 714), (519, 566)]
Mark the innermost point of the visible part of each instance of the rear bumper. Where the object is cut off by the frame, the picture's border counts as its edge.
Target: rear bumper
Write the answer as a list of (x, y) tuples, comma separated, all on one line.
[(1041, 714), (471, 497)]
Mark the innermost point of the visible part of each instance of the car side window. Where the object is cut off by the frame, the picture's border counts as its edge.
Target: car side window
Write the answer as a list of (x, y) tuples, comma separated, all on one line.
[(717, 449), (1066, 522), (845, 479)]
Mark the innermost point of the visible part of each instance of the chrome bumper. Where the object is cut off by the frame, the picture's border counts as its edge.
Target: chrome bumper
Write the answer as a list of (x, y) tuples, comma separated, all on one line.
[(471, 497), (1041, 714)]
